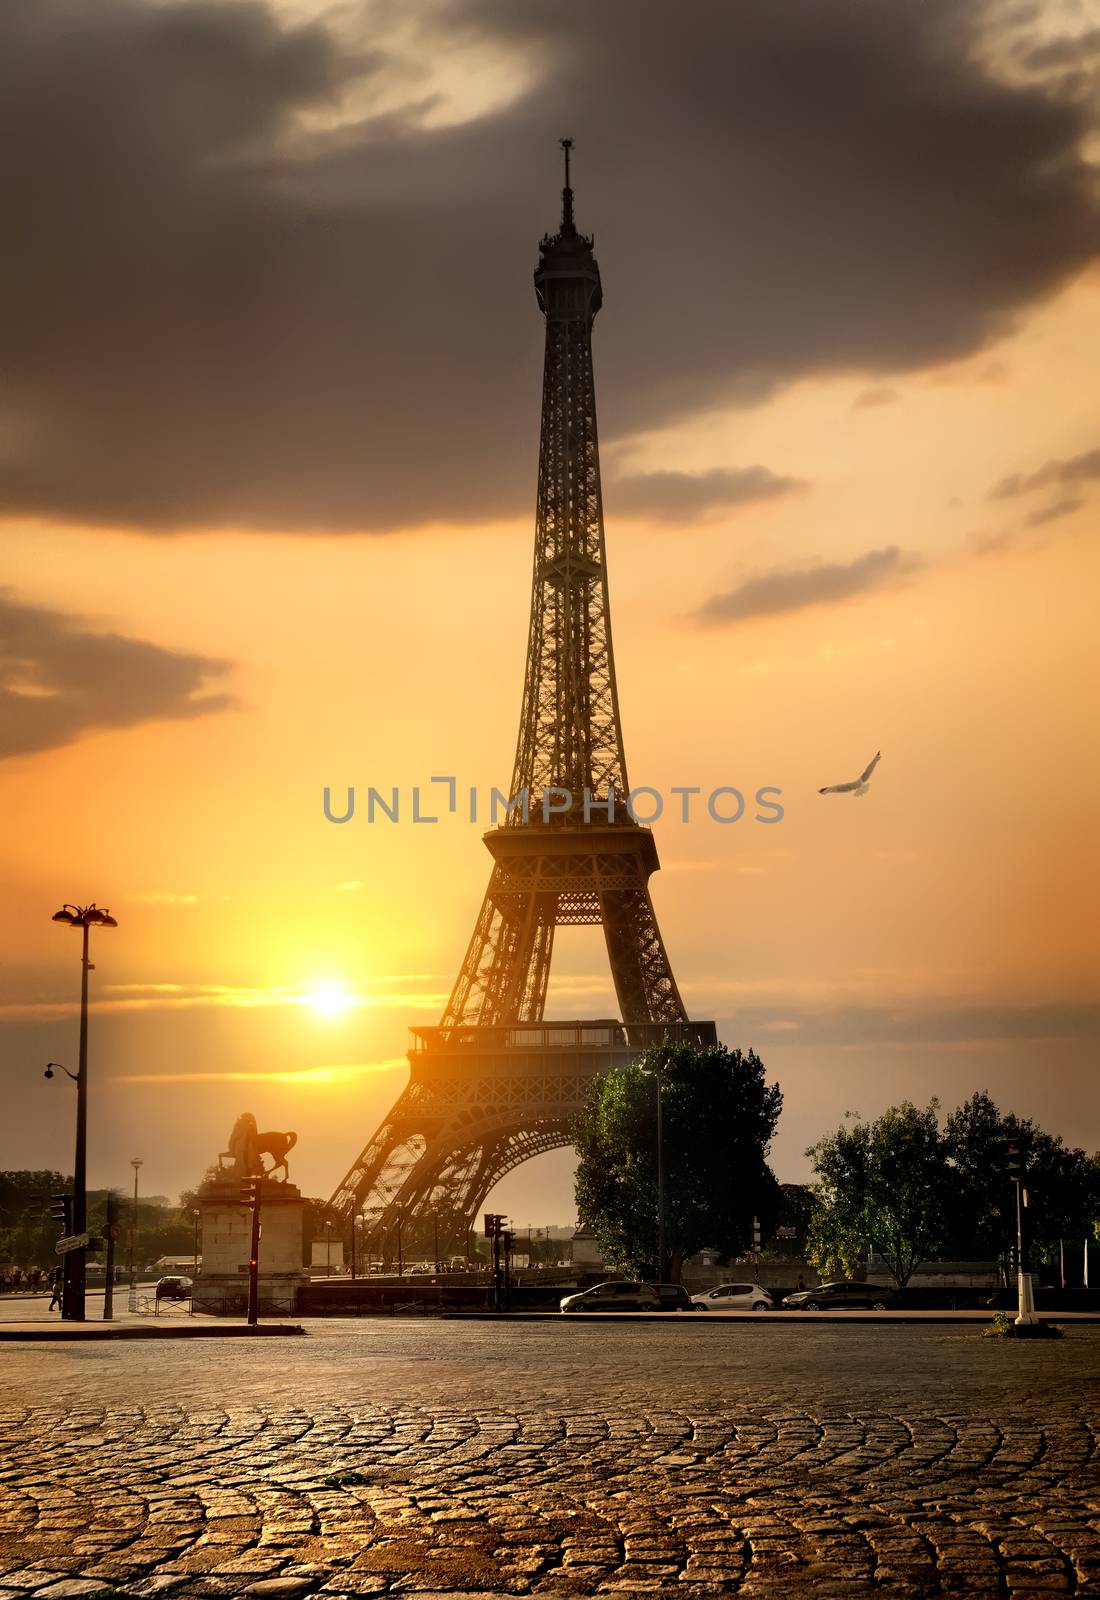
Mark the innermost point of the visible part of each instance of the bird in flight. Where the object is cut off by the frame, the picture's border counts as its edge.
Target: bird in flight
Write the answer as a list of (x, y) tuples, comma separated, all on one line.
[(860, 785)]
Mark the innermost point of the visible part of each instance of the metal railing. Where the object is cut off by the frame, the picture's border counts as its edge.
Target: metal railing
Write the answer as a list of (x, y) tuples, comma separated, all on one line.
[(598, 1034)]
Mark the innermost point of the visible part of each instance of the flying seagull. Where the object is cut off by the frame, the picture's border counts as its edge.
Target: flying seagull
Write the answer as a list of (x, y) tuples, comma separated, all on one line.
[(861, 784)]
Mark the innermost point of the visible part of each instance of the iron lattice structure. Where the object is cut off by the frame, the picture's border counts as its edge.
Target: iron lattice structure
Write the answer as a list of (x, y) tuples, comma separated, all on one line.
[(494, 1084)]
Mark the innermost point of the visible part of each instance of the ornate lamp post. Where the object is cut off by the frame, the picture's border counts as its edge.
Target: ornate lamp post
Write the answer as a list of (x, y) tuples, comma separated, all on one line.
[(84, 918)]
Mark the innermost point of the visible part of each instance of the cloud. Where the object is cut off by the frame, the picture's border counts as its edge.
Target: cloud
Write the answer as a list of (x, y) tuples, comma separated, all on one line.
[(263, 278), (1057, 508), (1067, 50), (163, 897), (1083, 468), (870, 399), (933, 1021), (685, 496), (340, 1075), (796, 588), (328, 999), (59, 679)]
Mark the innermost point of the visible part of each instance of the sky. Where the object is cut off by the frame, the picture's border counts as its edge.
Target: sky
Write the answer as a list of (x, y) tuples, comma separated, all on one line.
[(268, 437)]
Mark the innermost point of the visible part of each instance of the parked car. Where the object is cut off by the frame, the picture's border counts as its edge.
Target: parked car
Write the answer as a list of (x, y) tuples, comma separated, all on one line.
[(674, 1297), (734, 1297), (841, 1296), (614, 1296), (174, 1288)]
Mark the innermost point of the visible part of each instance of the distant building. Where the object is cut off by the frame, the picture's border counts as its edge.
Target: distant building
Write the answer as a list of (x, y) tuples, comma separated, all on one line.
[(324, 1251)]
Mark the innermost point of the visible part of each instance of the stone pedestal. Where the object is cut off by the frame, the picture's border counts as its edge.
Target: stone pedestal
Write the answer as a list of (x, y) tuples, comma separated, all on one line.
[(222, 1287)]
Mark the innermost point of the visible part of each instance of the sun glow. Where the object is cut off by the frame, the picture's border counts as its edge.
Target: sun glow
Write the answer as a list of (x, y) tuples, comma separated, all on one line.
[(328, 999)]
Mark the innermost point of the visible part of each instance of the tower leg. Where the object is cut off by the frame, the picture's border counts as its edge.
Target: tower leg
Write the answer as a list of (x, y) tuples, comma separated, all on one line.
[(640, 967)]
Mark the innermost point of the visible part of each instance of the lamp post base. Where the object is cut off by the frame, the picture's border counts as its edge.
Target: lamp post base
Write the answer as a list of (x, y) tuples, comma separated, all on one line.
[(1026, 1316)]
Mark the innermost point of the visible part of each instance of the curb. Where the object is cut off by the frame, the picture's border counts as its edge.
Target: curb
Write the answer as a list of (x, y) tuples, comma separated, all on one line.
[(785, 1319), (81, 1333)]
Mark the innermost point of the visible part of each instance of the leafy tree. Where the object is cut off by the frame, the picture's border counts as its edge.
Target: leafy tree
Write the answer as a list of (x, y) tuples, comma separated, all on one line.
[(27, 1232), (883, 1185), (1063, 1183), (718, 1118)]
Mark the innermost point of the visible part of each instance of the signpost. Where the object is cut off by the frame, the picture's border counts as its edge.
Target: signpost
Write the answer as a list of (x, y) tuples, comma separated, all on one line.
[(73, 1241)]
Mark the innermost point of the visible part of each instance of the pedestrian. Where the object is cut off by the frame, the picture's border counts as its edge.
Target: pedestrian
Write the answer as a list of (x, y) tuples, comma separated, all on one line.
[(57, 1279), (801, 1282)]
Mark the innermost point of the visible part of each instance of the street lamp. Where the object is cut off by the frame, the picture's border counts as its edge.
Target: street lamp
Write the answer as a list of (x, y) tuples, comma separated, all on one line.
[(196, 1213), (1025, 1316), (135, 1162), (85, 918), (328, 1247)]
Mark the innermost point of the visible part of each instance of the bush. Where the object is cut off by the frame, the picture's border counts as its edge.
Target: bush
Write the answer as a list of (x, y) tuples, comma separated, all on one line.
[(1004, 1326)]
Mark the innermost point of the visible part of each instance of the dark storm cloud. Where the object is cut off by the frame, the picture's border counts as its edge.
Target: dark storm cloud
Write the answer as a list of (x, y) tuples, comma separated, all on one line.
[(795, 589), (684, 496), (216, 318), (1074, 470), (1065, 51), (59, 680)]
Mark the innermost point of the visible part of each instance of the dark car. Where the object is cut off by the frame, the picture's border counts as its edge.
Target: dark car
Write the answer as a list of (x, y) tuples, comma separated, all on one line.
[(174, 1288), (841, 1296), (613, 1296), (674, 1297)]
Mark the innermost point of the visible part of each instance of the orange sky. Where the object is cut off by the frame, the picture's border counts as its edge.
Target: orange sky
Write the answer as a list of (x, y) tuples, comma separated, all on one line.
[(957, 893)]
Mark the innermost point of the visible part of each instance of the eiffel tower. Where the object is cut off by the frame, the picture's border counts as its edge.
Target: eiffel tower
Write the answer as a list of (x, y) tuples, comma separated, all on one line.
[(495, 1083)]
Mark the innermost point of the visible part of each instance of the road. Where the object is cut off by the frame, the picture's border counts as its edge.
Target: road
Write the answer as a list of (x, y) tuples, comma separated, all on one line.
[(554, 1458)]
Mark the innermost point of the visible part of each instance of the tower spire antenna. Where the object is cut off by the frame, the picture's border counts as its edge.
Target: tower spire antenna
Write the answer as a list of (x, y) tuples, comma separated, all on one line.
[(567, 224)]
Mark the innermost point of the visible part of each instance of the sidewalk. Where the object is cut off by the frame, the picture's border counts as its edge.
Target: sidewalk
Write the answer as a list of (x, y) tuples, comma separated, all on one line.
[(27, 1317)]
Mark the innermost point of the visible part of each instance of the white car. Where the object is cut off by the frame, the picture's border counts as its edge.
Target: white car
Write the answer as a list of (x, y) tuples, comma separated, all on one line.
[(734, 1297)]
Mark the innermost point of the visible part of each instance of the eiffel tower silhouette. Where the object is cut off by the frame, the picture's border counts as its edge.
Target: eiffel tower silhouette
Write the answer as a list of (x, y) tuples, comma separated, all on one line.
[(495, 1083)]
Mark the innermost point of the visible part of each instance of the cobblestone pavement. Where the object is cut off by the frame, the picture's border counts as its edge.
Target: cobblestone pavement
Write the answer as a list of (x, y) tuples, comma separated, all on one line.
[(554, 1459)]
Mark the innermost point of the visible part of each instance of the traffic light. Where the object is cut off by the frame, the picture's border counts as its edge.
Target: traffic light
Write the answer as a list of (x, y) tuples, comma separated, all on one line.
[(249, 1191), (494, 1224), (61, 1210), (1015, 1154)]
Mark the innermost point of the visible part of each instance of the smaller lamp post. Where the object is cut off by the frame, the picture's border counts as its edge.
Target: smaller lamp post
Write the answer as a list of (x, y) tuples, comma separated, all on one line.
[(136, 1163), (1025, 1316)]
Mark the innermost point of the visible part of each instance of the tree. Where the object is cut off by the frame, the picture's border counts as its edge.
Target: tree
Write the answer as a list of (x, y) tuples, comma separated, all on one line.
[(27, 1232), (1062, 1183), (718, 1119), (882, 1185)]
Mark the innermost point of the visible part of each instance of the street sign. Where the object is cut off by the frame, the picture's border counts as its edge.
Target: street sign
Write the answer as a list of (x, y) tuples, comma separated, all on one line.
[(73, 1241)]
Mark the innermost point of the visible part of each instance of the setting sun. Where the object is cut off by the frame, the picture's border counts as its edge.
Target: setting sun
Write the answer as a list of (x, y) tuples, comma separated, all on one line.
[(329, 999)]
